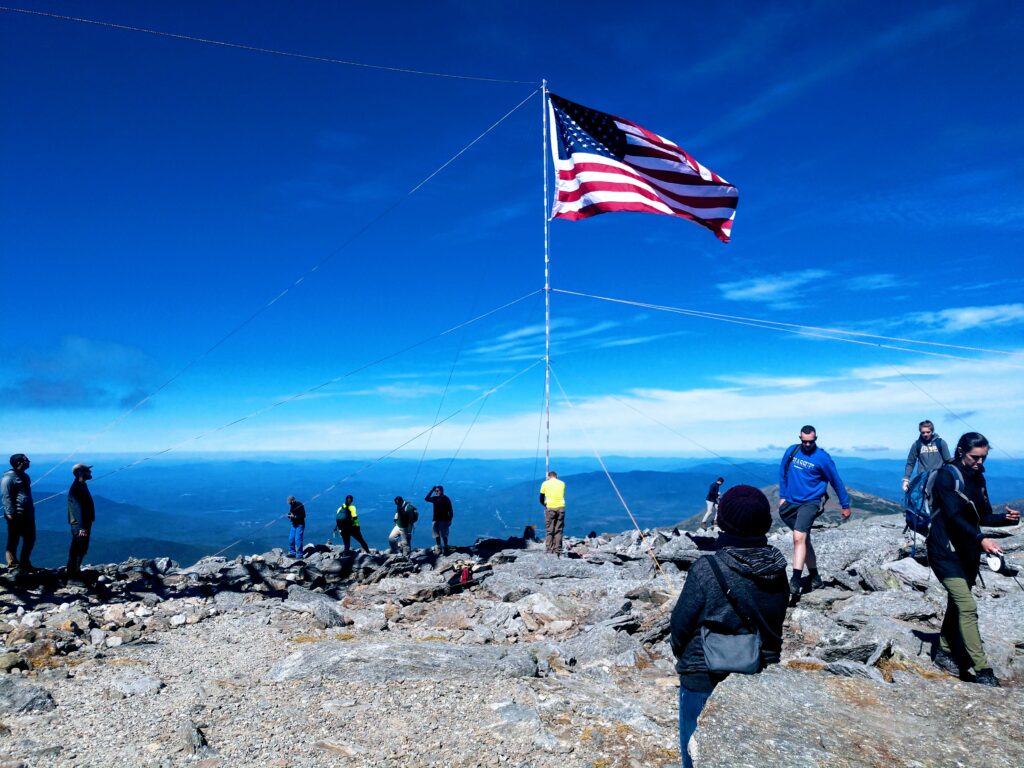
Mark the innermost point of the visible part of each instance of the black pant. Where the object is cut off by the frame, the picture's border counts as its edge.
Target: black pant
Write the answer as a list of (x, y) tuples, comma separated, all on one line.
[(79, 546), (24, 528), (349, 532)]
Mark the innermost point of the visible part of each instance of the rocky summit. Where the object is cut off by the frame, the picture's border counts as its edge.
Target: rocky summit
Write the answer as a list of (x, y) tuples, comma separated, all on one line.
[(497, 654)]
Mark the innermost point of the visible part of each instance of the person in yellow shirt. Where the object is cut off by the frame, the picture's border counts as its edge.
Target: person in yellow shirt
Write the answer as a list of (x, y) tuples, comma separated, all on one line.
[(552, 496)]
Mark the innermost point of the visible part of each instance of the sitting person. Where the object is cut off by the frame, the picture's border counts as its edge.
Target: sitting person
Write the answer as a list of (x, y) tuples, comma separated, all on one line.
[(755, 575)]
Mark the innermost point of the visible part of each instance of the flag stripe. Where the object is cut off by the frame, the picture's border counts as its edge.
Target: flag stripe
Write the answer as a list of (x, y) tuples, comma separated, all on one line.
[(606, 164)]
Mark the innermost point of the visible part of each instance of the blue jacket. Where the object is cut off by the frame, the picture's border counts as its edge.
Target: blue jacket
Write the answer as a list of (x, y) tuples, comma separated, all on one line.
[(809, 477)]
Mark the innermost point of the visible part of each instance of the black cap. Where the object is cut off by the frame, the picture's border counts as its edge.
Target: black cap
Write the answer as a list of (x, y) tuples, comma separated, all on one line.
[(744, 511)]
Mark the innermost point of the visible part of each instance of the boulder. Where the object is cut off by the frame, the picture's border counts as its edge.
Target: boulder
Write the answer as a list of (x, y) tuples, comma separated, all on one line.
[(845, 722), (324, 609), (381, 661), (18, 697)]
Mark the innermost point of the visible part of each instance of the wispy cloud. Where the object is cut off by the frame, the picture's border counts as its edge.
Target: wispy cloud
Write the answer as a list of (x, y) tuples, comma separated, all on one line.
[(780, 290), (79, 373), (965, 318), (896, 37), (876, 282)]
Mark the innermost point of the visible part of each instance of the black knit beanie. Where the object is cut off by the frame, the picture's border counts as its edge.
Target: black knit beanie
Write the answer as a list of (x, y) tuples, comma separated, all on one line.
[(744, 511)]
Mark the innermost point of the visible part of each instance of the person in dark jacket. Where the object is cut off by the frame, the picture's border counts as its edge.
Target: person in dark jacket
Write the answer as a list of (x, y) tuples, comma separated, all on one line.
[(711, 500), (755, 574), (81, 516), (19, 512), (955, 543), (346, 521), (443, 514), (929, 452), (400, 539), (297, 517)]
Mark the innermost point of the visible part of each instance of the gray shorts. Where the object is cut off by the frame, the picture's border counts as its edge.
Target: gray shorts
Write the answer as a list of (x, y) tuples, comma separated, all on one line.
[(441, 528), (800, 517)]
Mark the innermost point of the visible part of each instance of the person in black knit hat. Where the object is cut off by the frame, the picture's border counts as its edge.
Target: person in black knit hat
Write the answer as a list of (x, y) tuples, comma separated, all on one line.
[(755, 575)]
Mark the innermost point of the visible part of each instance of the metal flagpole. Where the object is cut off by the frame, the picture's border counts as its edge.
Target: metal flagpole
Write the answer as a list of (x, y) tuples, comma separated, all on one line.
[(547, 282)]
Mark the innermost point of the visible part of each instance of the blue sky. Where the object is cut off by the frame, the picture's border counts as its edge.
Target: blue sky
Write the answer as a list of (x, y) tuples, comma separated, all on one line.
[(158, 192)]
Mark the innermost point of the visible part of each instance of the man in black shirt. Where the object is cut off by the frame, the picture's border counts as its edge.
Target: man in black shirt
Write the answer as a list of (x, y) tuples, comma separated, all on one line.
[(81, 515), (712, 503), (443, 514)]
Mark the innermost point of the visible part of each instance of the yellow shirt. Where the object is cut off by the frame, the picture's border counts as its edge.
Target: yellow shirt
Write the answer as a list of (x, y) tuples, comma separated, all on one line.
[(352, 513), (554, 493)]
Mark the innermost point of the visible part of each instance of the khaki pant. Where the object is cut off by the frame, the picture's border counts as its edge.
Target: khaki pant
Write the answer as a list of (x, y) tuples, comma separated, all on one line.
[(960, 634), (554, 524)]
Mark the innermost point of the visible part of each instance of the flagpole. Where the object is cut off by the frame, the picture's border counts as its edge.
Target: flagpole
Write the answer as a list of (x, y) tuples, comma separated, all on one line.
[(547, 282)]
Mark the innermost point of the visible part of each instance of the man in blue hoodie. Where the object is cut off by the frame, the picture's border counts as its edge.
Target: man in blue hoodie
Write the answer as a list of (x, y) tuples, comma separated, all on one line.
[(804, 476)]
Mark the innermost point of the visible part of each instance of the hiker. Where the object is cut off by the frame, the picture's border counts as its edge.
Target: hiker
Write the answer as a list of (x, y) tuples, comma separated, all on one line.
[(955, 545), (297, 517), (443, 514), (346, 522), (712, 502), (81, 516), (406, 516), (19, 512), (755, 576), (929, 452), (552, 497), (804, 476)]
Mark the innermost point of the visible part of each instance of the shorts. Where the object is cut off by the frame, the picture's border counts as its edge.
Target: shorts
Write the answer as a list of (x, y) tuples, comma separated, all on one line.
[(800, 517), (441, 528)]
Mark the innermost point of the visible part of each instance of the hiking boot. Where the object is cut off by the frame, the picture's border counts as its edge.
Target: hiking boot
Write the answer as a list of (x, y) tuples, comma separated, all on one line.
[(946, 663), (816, 582), (987, 677)]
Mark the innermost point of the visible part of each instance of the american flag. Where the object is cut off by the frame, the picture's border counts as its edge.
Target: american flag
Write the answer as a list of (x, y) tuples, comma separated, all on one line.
[(605, 163)]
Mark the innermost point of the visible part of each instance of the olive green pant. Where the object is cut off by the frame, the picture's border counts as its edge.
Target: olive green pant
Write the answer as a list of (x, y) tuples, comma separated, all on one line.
[(961, 637)]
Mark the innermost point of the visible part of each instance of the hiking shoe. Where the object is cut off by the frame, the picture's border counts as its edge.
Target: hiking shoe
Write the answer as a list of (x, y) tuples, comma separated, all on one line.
[(947, 663), (816, 582), (986, 677)]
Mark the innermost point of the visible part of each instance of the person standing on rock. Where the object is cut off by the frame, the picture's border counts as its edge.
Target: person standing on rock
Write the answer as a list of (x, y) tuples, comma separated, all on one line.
[(754, 575), (955, 544), (443, 515), (346, 521), (19, 512), (297, 517), (552, 497), (406, 516), (804, 476), (81, 516), (928, 452), (712, 503)]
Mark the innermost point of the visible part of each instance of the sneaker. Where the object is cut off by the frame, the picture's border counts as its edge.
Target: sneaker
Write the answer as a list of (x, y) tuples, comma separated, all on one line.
[(987, 677), (816, 582), (946, 663)]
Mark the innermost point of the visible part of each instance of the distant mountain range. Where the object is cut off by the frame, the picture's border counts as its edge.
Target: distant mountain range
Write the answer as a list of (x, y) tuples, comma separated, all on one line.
[(190, 509)]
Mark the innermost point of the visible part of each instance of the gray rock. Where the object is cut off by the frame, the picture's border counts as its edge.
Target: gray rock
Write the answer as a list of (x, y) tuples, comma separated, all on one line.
[(18, 697), (191, 738), (912, 573), (325, 609), (856, 723), (9, 661), (403, 659), (853, 669), (857, 612), (131, 683)]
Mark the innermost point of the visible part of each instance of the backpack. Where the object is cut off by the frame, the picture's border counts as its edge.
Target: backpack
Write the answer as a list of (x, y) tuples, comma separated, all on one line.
[(917, 504), (408, 515)]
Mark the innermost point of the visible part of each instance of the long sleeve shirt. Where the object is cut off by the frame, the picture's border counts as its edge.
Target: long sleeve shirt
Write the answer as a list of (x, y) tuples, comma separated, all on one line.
[(81, 507), (930, 455), (807, 477)]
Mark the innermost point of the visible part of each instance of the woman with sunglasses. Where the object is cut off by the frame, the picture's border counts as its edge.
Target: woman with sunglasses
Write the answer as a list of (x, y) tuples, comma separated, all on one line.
[(955, 544)]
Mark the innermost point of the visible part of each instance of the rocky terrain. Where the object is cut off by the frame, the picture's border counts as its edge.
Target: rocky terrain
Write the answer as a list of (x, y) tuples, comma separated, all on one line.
[(497, 654)]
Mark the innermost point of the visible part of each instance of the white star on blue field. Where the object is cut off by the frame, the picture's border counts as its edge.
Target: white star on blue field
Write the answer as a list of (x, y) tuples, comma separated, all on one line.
[(161, 194)]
